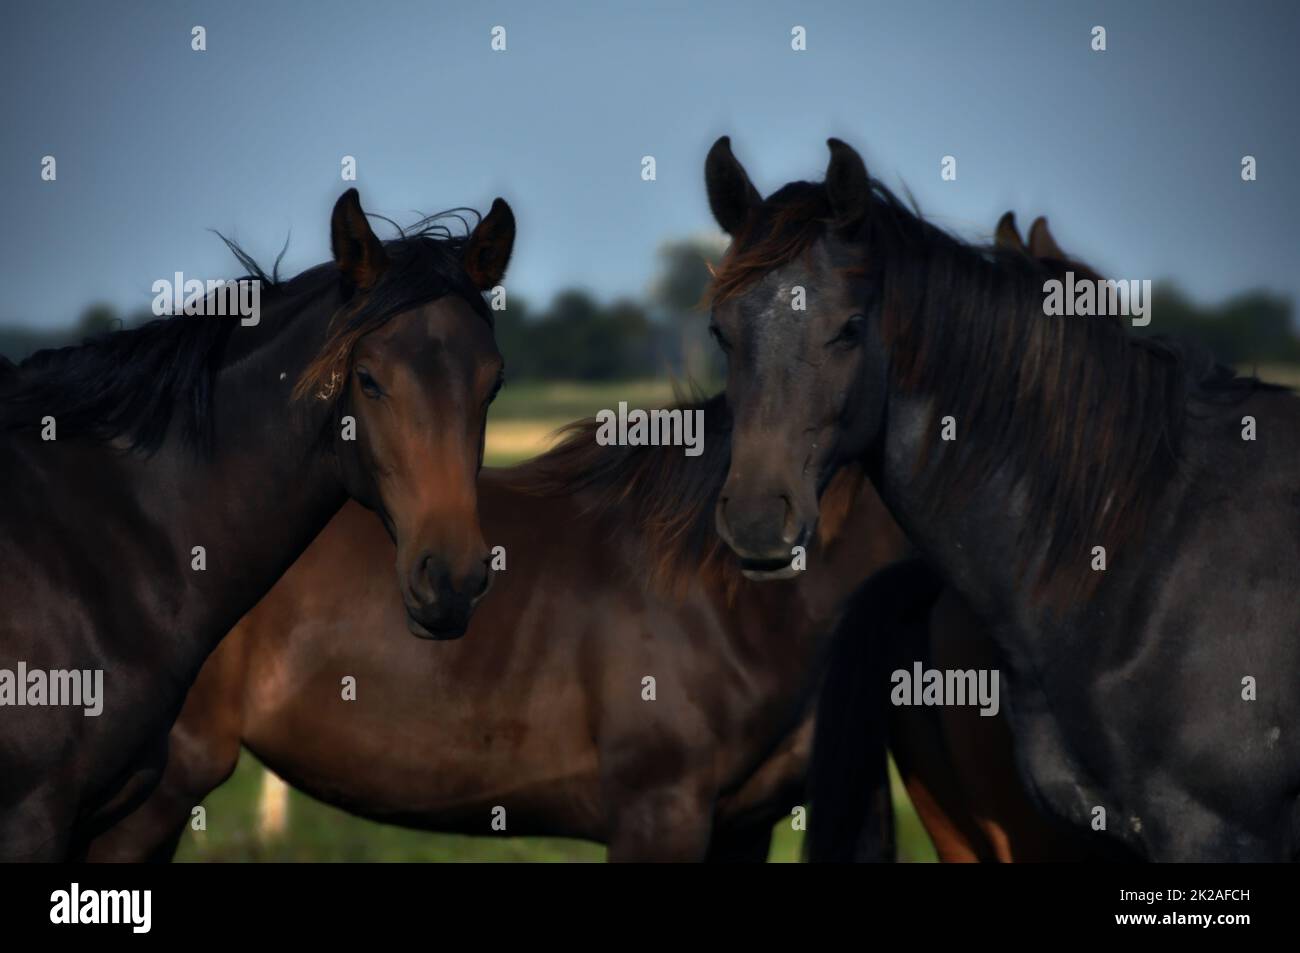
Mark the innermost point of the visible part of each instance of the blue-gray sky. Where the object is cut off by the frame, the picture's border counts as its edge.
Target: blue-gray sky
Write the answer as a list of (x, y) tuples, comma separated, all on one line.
[(1134, 153)]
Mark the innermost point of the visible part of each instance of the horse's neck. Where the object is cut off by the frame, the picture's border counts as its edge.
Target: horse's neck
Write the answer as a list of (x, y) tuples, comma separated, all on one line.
[(973, 540), (268, 488), (981, 538)]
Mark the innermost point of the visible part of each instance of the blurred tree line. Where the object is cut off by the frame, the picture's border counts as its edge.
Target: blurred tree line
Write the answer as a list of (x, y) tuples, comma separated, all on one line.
[(577, 337), (17, 343), (1255, 327)]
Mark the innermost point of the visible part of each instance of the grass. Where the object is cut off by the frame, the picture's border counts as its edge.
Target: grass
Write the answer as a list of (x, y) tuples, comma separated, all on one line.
[(564, 401), (526, 415), (1288, 374), (316, 832)]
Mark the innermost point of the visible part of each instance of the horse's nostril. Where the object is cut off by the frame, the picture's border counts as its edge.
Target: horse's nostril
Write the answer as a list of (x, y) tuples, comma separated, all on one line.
[(422, 586), (790, 527)]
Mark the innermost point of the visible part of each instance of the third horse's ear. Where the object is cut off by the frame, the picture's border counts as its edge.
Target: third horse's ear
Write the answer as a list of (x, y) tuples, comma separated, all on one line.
[(1008, 236), (487, 252), (1041, 242), (847, 185)]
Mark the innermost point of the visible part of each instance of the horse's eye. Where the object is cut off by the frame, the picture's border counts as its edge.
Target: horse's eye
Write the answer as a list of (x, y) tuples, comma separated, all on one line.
[(850, 335), (716, 333), (369, 386)]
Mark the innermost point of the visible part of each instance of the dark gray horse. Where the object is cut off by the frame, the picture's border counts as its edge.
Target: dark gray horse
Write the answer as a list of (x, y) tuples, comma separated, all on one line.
[(1127, 524)]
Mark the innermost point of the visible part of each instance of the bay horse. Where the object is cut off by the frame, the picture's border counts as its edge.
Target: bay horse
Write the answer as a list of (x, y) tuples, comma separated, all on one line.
[(613, 575), (1123, 520), (159, 480)]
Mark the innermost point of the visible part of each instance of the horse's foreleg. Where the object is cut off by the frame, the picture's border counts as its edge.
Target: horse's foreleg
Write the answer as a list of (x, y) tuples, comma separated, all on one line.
[(149, 834), (198, 761)]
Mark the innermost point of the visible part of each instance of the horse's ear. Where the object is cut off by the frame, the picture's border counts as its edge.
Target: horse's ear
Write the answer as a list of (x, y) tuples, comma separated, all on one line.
[(487, 252), (358, 253), (1041, 242), (847, 185), (1008, 236), (731, 195)]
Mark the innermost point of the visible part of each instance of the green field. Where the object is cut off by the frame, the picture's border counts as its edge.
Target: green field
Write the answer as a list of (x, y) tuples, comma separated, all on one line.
[(563, 401), (1288, 374), (316, 832), (526, 414)]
